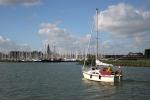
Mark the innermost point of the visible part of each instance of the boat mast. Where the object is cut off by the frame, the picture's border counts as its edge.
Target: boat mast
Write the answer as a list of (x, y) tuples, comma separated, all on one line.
[(97, 33)]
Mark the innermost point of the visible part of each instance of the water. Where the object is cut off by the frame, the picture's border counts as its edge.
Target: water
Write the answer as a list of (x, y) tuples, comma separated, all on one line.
[(63, 81)]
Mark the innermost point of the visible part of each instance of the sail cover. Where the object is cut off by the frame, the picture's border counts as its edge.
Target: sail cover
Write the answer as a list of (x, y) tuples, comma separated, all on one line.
[(102, 64)]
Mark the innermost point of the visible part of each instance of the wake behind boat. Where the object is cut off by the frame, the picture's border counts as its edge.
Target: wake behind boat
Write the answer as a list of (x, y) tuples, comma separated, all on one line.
[(101, 71)]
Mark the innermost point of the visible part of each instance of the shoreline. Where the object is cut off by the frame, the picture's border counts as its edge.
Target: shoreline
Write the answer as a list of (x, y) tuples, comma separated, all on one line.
[(128, 63), (36, 61)]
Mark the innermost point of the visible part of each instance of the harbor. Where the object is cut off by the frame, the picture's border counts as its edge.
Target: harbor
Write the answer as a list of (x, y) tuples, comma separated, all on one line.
[(130, 59), (74, 49)]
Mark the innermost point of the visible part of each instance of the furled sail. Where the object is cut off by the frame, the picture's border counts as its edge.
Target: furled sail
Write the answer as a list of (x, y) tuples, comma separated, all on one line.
[(99, 63)]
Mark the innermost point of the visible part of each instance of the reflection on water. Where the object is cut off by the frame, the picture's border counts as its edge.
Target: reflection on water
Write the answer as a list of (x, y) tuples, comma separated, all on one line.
[(97, 90), (93, 83)]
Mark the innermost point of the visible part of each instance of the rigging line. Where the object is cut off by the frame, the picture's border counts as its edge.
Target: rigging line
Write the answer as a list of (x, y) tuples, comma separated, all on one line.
[(87, 51), (87, 48), (97, 12)]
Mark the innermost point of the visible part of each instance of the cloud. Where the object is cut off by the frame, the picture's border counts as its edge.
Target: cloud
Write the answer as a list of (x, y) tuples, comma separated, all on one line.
[(123, 19), (123, 22), (4, 40), (63, 39), (127, 29), (7, 45), (142, 40), (19, 2)]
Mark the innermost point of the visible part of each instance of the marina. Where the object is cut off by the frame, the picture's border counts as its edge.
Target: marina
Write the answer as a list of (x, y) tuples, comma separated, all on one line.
[(74, 50)]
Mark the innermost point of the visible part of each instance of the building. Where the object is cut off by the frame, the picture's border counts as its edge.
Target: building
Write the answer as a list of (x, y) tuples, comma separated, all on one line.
[(48, 52), (147, 53), (113, 56), (37, 55), (133, 56), (4, 57), (25, 56)]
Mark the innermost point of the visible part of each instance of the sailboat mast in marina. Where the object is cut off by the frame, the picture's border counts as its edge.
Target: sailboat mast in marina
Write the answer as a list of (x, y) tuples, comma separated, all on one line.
[(97, 33), (101, 71)]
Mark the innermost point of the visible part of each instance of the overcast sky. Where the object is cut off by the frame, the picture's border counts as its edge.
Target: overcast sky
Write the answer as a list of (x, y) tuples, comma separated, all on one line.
[(124, 25)]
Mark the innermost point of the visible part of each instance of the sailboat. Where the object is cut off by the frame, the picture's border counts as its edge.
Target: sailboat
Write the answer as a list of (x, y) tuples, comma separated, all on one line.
[(101, 72)]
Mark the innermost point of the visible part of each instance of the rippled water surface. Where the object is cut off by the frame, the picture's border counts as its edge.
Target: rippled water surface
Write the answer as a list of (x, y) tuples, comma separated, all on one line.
[(63, 81)]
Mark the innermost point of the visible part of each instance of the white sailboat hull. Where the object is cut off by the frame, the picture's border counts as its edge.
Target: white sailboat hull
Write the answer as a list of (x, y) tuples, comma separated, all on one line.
[(102, 78)]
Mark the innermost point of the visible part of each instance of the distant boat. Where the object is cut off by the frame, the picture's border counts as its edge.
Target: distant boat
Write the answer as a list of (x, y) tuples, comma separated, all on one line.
[(101, 71), (69, 60)]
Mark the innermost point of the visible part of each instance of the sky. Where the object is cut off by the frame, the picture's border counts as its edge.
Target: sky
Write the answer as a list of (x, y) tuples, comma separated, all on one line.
[(69, 25)]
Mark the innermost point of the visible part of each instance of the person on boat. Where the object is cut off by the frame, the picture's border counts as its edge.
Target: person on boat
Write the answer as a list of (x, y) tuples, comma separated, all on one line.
[(120, 71), (106, 71), (109, 69)]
